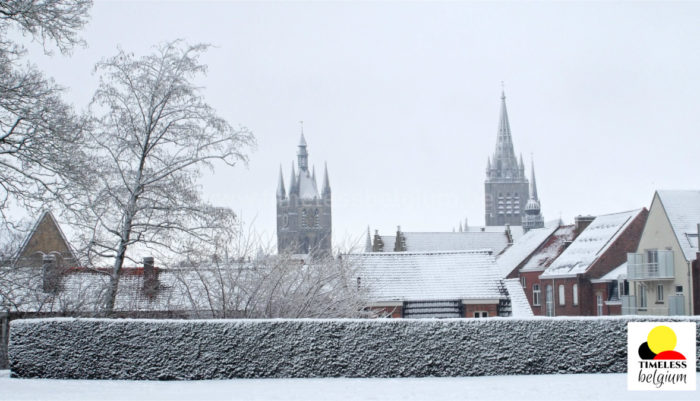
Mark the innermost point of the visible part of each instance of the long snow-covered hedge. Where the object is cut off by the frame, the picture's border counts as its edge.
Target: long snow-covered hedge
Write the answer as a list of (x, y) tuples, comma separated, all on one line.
[(215, 349)]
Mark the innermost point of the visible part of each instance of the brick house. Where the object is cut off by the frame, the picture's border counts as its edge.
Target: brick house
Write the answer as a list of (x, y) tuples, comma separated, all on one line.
[(528, 261), (571, 285)]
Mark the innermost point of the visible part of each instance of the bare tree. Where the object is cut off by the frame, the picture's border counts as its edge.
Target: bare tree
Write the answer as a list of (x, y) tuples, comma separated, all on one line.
[(152, 132), (39, 133), (245, 279)]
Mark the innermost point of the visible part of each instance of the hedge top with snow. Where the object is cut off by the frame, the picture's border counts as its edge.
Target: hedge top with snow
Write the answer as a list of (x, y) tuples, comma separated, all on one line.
[(71, 348)]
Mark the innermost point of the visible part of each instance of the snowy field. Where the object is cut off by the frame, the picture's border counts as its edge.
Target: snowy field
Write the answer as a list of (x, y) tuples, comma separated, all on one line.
[(544, 387)]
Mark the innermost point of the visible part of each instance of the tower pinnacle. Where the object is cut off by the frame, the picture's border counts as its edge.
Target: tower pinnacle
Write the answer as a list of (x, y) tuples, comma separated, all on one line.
[(281, 193)]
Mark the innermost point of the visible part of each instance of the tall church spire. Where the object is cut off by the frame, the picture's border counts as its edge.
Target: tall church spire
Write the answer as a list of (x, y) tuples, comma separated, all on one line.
[(504, 160), (506, 189)]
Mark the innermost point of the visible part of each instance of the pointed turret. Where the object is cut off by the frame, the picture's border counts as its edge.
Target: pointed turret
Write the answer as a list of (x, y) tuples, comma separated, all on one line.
[(533, 215), (488, 166), (522, 165), (368, 242), (293, 182), (326, 190), (302, 154), (313, 174), (460, 227), (533, 184), (281, 193)]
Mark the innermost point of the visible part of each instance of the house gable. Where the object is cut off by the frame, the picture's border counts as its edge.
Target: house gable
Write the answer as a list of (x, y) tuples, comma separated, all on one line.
[(45, 238)]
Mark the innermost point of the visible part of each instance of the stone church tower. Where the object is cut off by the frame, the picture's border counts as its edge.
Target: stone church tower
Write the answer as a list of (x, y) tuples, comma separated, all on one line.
[(304, 214), (506, 188)]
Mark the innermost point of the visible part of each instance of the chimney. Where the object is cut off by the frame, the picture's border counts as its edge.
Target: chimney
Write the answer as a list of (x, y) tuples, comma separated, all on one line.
[(377, 244), (509, 235), (400, 244), (581, 223), (150, 277), (50, 274)]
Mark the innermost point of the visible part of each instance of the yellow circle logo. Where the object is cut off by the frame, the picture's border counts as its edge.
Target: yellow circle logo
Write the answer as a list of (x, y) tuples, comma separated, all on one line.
[(661, 338)]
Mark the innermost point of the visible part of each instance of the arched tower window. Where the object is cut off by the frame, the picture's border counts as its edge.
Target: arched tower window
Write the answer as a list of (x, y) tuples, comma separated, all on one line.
[(317, 219), (303, 218)]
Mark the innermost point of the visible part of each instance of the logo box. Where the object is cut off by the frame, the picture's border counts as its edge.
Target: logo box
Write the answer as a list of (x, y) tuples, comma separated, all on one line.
[(661, 356)]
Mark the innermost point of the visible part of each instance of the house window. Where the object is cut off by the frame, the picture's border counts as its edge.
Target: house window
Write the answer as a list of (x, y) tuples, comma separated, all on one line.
[(679, 290), (653, 262), (522, 281), (660, 293), (562, 295), (536, 295), (599, 303), (549, 300), (481, 314), (574, 292), (622, 289), (642, 295)]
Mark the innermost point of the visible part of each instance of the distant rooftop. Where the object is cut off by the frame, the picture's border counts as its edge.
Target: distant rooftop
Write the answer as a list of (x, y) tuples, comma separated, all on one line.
[(425, 276)]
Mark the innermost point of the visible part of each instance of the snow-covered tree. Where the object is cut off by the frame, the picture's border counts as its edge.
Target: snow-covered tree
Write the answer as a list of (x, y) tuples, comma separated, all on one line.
[(151, 134), (243, 278), (39, 132)]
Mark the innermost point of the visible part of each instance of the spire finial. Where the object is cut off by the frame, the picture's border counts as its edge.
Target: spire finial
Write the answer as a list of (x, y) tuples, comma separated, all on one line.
[(503, 90), (301, 123)]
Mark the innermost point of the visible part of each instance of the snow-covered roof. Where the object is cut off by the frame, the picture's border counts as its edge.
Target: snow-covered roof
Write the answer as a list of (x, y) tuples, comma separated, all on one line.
[(683, 211), (425, 276), (496, 241), (590, 244), (522, 248), (515, 231), (615, 274), (518, 300), (550, 249)]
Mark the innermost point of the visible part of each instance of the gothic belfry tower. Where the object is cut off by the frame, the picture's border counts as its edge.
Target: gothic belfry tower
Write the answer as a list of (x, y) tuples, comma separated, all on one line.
[(532, 217), (304, 214), (506, 188)]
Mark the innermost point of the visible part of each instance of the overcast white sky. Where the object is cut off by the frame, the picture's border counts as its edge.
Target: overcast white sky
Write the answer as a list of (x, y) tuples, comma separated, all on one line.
[(402, 99)]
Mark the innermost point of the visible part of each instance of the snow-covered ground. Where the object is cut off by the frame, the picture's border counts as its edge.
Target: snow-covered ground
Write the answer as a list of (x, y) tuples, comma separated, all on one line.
[(544, 387)]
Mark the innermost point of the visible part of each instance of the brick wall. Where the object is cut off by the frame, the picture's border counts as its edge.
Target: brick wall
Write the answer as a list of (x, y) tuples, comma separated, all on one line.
[(532, 278), (469, 309)]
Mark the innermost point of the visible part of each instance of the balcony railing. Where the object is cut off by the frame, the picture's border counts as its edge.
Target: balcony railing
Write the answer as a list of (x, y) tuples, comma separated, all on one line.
[(640, 268), (674, 307)]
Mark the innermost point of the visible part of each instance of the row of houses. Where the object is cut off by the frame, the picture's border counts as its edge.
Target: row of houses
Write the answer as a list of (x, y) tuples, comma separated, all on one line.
[(642, 261)]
